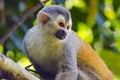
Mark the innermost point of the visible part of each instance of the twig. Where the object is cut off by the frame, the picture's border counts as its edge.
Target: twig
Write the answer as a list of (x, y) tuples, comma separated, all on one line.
[(21, 20), (14, 71), (42, 4)]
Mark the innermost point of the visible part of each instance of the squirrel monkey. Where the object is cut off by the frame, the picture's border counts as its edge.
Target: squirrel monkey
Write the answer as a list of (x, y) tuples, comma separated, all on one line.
[(58, 53)]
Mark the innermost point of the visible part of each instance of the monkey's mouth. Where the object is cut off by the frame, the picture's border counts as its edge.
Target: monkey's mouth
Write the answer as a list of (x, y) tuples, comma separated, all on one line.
[(60, 34)]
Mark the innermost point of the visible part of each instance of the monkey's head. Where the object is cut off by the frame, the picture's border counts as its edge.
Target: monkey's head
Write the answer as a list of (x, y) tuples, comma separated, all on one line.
[(55, 21)]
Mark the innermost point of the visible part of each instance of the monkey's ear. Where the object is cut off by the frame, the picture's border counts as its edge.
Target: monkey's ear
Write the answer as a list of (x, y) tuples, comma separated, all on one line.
[(43, 18)]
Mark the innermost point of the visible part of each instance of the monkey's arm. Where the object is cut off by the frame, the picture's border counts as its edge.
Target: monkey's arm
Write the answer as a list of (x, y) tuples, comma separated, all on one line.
[(91, 65), (68, 69)]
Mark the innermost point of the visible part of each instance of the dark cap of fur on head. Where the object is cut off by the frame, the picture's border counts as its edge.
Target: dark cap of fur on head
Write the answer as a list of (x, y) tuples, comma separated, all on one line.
[(56, 11)]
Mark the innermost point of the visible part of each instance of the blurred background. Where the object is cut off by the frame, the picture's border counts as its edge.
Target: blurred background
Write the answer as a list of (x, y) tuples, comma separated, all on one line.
[(96, 21)]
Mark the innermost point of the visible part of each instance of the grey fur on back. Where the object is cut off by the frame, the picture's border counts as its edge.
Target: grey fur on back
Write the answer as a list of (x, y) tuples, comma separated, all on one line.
[(56, 11)]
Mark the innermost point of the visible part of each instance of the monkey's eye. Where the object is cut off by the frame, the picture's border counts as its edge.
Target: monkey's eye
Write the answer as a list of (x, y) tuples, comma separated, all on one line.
[(68, 27), (61, 24)]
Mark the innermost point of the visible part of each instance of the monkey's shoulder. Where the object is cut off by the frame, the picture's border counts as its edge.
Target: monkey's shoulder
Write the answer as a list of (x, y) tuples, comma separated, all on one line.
[(31, 35), (74, 40)]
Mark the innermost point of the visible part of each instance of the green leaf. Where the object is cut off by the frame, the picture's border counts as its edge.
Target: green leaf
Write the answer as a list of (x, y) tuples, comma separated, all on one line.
[(1, 49), (85, 32)]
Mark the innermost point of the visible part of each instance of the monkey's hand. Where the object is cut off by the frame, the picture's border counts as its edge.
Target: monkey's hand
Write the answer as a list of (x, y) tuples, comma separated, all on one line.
[(66, 76)]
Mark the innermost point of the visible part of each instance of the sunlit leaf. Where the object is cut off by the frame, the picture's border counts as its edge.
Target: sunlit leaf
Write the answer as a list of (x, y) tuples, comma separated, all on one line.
[(107, 24), (49, 2), (10, 54), (75, 3), (79, 3), (69, 6), (85, 32), (23, 62), (1, 48), (116, 25), (19, 55), (108, 1), (34, 22), (109, 12)]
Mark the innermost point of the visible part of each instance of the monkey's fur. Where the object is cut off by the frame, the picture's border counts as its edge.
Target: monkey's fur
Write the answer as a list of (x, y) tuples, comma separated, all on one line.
[(58, 53)]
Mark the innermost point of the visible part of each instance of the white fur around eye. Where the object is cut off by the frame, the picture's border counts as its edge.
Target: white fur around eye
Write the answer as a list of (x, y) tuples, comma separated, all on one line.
[(61, 18)]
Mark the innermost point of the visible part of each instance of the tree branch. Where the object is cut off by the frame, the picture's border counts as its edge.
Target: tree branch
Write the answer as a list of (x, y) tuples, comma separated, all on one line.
[(21, 20), (14, 70)]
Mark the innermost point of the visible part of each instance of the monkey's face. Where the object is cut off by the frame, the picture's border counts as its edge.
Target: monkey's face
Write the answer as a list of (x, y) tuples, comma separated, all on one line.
[(55, 26), (63, 27)]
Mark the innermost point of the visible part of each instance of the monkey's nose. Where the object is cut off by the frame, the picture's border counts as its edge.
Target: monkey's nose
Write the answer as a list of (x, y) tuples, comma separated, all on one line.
[(60, 34)]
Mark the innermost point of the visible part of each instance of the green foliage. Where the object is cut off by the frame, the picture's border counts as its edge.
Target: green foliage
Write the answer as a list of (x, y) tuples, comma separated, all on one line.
[(1, 48), (96, 21), (112, 60), (85, 32)]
